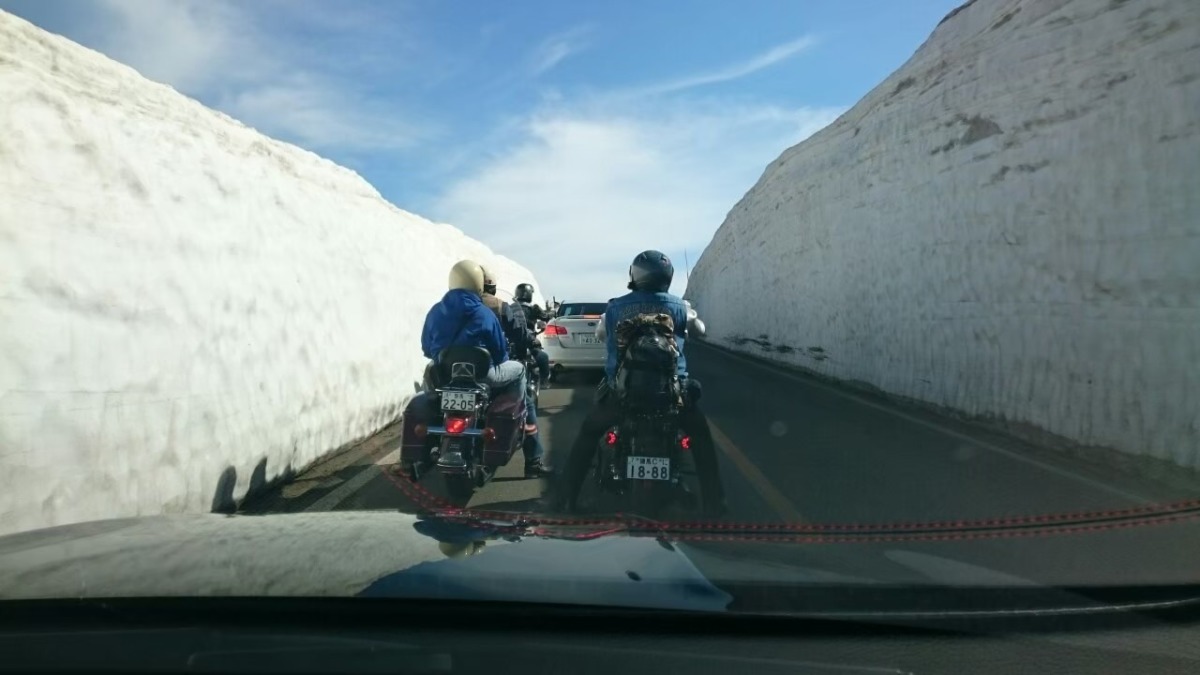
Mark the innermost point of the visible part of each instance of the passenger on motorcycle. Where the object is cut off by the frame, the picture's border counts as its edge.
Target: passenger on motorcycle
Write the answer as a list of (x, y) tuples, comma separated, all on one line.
[(490, 300), (650, 276), (533, 314), (461, 318), (512, 320)]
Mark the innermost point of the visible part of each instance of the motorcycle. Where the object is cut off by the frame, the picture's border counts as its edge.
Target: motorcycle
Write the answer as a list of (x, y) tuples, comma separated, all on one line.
[(640, 461), (459, 426), (533, 385)]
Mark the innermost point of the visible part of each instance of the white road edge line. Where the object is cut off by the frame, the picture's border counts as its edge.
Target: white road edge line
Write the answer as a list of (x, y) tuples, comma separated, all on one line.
[(936, 427), (343, 492)]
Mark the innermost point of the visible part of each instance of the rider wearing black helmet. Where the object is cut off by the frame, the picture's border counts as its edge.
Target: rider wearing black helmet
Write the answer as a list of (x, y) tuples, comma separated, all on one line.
[(524, 297), (650, 277), (520, 340)]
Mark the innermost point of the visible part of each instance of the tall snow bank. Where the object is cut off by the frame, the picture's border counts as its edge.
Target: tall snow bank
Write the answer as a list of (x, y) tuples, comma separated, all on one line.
[(183, 298), (1009, 226)]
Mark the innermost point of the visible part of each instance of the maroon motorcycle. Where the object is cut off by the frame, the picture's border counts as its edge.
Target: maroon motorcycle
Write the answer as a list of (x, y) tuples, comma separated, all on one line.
[(458, 427)]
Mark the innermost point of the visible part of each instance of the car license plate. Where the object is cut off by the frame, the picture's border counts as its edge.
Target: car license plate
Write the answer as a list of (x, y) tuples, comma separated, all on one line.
[(588, 339), (458, 401), (649, 468)]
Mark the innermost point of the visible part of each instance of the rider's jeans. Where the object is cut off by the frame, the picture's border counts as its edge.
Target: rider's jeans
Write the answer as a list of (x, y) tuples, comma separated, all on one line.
[(506, 373), (543, 362)]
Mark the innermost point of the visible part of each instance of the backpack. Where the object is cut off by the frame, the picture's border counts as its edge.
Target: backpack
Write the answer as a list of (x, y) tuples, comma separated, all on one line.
[(516, 329), (647, 364)]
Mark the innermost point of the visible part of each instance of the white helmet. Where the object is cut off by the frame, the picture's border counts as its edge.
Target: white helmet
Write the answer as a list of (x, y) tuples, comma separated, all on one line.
[(489, 281), (467, 275)]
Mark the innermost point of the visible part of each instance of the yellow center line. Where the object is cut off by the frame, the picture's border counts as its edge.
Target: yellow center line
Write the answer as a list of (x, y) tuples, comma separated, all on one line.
[(782, 505)]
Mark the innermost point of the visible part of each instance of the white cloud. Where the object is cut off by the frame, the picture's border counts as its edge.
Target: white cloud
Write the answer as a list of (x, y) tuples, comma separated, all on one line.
[(557, 47), (232, 57), (318, 116), (734, 71), (189, 44), (585, 191)]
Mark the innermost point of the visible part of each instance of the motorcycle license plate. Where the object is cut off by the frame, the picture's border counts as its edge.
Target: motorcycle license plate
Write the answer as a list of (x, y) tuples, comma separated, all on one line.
[(458, 401), (649, 468)]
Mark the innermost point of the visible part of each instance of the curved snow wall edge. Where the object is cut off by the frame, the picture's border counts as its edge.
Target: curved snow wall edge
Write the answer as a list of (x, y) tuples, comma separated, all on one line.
[(1008, 227), (184, 299)]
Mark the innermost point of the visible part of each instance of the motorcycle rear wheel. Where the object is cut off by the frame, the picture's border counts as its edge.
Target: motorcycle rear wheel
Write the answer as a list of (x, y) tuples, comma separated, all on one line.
[(460, 487), (647, 498)]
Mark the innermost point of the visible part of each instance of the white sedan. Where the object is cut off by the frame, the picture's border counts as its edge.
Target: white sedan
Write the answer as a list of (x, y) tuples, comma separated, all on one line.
[(570, 338)]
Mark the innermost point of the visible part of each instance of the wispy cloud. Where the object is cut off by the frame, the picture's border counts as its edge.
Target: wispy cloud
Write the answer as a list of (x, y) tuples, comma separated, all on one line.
[(733, 71), (319, 116), (586, 181), (587, 189), (189, 44), (551, 51), (229, 56)]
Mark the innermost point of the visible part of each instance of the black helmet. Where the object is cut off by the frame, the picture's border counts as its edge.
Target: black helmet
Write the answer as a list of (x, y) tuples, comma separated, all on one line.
[(524, 293), (651, 271)]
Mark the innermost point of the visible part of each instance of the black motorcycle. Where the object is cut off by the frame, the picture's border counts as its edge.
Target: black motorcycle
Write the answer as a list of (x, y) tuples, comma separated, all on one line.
[(641, 463), (641, 460), (533, 384)]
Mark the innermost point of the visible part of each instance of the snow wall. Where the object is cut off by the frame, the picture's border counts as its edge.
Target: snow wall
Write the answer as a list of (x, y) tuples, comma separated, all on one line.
[(1008, 226), (185, 299)]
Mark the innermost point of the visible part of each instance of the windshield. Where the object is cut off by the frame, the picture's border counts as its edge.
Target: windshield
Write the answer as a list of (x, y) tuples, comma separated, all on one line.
[(281, 281), (581, 309)]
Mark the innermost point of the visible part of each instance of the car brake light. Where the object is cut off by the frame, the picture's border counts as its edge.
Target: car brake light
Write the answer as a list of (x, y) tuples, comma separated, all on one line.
[(456, 425), (555, 330), (686, 442), (610, 438)]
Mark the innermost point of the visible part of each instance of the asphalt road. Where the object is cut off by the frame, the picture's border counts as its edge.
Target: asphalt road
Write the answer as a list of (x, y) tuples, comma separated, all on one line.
[(791, 448)]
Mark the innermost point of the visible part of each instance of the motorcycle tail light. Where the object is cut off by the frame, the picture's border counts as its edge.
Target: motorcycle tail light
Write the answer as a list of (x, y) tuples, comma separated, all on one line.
[(420, 431), (489, 434), (456, 425), (686, 442), (610, 438)]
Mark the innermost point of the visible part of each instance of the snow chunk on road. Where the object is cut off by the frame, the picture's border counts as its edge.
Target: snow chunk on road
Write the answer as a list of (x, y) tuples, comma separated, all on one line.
[(1009, 226), (186, 301)]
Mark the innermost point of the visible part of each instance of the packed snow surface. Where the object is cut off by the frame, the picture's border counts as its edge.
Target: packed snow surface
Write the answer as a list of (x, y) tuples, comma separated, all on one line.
[(1009, 226), (184, 297)]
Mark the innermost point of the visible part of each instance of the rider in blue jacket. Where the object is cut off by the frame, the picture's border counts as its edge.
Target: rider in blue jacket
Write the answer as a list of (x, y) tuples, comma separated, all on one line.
[(650, 276), (461, 318)]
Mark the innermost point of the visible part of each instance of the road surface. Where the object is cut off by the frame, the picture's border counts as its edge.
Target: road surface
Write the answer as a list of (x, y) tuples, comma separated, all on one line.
[(791, 448)]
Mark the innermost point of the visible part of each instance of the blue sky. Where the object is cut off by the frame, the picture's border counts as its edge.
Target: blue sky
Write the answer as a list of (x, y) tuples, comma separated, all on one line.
[(568, 135)]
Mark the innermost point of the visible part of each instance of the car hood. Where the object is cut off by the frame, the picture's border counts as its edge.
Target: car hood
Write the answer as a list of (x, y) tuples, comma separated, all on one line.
[(344, 554), (397, 555)]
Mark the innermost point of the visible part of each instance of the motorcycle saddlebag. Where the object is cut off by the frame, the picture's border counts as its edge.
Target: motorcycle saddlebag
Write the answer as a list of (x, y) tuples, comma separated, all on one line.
[(505, 416), (418, 411)]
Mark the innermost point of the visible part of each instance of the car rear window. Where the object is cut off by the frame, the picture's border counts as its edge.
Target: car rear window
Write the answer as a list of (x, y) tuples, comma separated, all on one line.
[(582, 308)]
